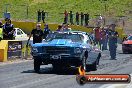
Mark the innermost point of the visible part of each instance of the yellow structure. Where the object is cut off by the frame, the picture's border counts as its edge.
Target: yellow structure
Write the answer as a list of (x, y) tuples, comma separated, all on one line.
[(28, 26), (4, 49)]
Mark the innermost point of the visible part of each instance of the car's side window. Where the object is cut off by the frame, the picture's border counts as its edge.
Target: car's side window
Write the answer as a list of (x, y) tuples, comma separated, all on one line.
[(21, 32), (18, 32)]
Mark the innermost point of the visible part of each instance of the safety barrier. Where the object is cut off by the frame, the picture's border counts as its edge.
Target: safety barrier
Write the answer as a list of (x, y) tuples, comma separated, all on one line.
[(28, 26), (10, 49)]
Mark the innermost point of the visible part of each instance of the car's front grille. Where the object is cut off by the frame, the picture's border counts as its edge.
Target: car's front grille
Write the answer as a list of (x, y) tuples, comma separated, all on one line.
[(57, 50)]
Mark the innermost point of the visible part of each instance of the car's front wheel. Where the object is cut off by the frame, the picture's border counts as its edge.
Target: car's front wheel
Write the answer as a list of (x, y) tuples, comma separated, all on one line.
[(37, 64)]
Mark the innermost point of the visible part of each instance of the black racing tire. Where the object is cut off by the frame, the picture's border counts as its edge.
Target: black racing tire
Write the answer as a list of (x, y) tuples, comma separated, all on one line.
[(124, 51), (57, 67), (94, 66), (37, 64)]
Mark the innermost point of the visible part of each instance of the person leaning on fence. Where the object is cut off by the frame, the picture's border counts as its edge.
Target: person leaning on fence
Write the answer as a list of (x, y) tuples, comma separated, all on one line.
[(113, 35), (71, 17), (43, 16), (82, 18), (86, 19), (65, 17), (77, 18), (8, 30), (39, 15), (37, 34), (1, 31)]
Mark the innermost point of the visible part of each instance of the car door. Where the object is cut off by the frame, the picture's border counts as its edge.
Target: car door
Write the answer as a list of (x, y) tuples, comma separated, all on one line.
[(92, 55)]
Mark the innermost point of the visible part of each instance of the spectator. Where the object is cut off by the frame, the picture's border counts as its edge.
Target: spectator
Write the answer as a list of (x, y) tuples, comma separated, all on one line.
[(82, 18), (1, 31), (39, 15), (37, 34), (59, 28), (102, 38), (86, 19), (46, 30), (43, 16), (8, 30), (77, 18), (71, 17), (66, 17), (97, 36), (66, 28), (106, 29), (113, 35)]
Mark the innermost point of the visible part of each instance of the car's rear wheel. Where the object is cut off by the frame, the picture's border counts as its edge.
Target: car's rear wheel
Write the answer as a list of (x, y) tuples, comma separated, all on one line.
[(94, 66), (37, 64)]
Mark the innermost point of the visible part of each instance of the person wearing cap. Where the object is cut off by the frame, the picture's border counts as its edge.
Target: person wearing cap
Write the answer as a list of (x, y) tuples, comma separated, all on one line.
[(113, 35), (46, 30), (1, 31), (66, 28), (8, 30), (37, 34), (59, 28)]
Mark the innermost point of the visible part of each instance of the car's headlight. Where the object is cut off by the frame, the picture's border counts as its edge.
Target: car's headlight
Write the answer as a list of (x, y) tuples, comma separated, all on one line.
[(77, 50), (34, 49)]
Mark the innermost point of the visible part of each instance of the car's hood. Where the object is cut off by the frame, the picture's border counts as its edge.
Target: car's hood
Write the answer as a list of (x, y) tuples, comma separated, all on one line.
[(127, 42), (59, 42)]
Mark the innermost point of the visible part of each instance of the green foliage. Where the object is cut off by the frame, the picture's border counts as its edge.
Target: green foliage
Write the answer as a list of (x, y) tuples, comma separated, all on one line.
[(55, 7)]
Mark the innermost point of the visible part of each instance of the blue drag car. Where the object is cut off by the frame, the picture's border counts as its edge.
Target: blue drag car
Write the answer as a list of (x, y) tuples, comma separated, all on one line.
[(64, 49)]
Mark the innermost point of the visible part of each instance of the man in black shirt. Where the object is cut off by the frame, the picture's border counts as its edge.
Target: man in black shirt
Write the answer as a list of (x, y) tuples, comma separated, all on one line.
[(8, 30), (37, 35)]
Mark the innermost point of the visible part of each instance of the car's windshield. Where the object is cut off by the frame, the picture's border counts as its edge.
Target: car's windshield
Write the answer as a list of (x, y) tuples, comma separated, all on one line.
[(129, 38), (73, 37)]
